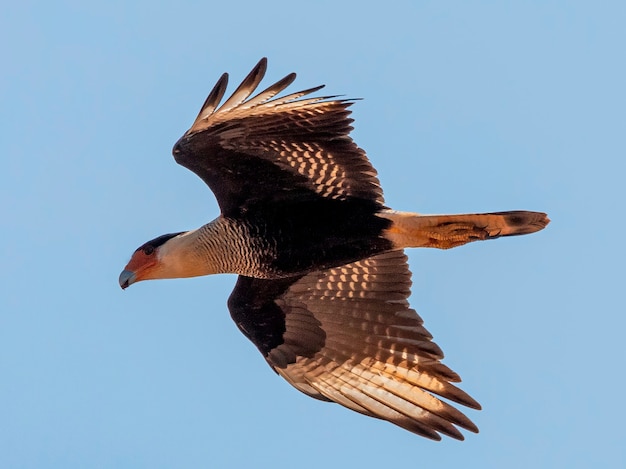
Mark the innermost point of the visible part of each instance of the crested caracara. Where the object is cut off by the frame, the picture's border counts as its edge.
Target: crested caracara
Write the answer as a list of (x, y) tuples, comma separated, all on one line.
[(323, 279)]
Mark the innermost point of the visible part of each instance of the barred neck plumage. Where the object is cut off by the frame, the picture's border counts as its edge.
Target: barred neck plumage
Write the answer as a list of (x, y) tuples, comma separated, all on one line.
[(221, 246), (227, 246)]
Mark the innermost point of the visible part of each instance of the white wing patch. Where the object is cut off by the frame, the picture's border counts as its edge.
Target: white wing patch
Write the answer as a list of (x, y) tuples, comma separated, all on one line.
[(316, 164)]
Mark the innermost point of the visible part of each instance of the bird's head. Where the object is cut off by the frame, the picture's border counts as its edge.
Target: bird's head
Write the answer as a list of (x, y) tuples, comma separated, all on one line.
[(150, 261)]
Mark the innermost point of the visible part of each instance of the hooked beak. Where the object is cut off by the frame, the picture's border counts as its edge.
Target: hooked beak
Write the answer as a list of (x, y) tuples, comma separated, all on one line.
[(127, 278)]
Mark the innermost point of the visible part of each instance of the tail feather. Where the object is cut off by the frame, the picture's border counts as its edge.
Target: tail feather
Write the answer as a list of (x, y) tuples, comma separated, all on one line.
[(448, 231)]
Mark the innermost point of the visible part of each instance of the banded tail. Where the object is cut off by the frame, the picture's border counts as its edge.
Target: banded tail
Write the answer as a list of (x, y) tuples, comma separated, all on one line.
[(448, 231)]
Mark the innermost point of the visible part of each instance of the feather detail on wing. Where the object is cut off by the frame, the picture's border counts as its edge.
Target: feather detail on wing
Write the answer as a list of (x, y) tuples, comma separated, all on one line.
[(302, 144), (348, 335)]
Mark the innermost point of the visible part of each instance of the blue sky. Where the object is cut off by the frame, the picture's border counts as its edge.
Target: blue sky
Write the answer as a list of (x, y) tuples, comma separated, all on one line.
[(471, 106)]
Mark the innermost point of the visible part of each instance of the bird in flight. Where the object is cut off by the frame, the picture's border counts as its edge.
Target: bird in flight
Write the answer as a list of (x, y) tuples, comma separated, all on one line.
[(323, 279)]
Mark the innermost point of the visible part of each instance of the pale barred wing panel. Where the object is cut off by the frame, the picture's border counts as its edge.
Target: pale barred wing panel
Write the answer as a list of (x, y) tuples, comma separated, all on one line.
[(348, 335), (299, 143)]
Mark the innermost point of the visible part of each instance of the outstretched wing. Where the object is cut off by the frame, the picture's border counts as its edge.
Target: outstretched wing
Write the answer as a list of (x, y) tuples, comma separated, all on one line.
[(255, 151), (348, 335)]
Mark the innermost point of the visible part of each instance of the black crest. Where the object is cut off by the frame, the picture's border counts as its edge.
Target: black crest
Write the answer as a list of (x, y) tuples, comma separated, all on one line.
[(159, 241)]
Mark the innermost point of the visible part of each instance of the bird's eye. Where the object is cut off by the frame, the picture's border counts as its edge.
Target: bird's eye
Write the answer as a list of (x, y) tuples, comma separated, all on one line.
[(148, 250)]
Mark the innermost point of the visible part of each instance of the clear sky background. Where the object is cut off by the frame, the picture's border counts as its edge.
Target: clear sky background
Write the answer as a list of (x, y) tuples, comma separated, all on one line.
[(468, 106)]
